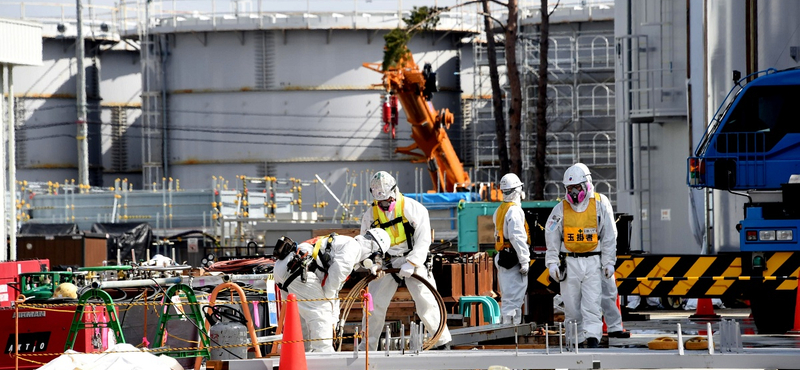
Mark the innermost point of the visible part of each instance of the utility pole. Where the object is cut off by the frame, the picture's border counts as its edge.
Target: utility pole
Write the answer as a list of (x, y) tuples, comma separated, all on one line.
[(12, 170), (3, 204), (83, 132)]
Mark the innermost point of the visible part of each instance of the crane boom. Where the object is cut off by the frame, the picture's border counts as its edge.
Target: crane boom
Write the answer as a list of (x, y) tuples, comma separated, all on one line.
[(407, 83)]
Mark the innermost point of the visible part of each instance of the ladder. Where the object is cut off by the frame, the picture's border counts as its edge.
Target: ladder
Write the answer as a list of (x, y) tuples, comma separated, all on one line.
[(194, 314), (78, 324)]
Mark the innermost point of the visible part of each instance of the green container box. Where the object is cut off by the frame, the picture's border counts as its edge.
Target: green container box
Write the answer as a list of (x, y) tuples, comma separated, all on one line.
[(536, 212)]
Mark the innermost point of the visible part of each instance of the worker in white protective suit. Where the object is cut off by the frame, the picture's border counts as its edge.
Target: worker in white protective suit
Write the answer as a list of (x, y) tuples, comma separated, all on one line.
[(512, 242), (408, 224), (316, 270), (581, 231), (609, 298)]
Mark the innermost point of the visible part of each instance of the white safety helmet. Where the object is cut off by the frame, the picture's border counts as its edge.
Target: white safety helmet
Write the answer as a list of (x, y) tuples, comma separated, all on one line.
[(383, 186), (379, 238), (510, 181), (585, 171), (578, 174), (511, 187)]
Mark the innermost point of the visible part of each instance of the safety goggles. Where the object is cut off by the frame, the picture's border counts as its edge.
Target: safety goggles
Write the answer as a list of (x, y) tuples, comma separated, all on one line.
[(509, 191), (576, 187)]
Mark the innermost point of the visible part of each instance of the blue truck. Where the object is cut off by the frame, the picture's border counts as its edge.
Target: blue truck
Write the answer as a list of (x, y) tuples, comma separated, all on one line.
[(752, 148)]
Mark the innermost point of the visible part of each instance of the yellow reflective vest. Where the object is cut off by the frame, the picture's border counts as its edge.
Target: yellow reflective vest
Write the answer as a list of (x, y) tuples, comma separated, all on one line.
[(580, 228), (396, 228), (501, 242)]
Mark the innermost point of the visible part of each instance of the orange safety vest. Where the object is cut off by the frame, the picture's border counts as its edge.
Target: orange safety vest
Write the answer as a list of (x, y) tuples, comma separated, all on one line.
[(397, 231), (580, 228), (501, 242)]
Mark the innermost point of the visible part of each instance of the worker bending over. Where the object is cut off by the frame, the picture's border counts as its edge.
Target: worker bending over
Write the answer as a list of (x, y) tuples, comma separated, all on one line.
[(315, 271)]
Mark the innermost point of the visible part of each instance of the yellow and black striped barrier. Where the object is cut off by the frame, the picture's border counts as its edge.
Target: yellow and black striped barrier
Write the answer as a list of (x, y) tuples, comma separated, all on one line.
[(691, 276)]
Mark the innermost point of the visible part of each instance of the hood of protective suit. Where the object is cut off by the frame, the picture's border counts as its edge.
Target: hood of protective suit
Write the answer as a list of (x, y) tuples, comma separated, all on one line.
[(588, 186), (366, 247), (516, 197)]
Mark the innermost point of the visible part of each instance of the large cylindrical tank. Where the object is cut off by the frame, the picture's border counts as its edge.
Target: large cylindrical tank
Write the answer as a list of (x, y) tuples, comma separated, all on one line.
[(281, 95), (46, 113)]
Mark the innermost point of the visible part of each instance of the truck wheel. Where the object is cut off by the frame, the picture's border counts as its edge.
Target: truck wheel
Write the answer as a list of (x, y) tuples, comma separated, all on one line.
[(773, 311)]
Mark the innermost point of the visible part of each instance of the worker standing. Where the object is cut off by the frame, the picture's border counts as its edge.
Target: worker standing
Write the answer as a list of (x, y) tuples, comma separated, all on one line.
[(609, 297), (581, 231), (512, 242), (316, 270), (408, 224)]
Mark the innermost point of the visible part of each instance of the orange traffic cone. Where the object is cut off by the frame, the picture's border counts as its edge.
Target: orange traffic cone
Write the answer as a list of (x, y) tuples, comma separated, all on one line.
[(293, 354), (705, 310), (796, 327)]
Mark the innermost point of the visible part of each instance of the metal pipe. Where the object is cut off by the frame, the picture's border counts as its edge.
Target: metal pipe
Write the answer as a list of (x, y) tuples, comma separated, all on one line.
[(546, 340), (12, 170), (575, 331), (83, 143), (560, 339), (710, 339), (402, 339), (355, 343), (135, 283), (164, 51), (388, 341), (3, 205)]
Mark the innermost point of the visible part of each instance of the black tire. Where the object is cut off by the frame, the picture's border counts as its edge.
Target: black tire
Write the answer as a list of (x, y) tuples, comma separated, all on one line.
[(773, 311)]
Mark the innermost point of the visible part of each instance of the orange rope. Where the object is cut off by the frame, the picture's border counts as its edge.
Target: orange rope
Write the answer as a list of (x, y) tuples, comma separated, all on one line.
[(365, 303)]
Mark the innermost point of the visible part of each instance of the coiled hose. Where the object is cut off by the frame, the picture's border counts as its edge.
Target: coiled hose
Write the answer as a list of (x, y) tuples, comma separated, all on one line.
[(355, 294)]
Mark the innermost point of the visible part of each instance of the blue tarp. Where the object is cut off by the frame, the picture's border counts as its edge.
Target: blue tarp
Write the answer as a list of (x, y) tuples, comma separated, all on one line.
[(443, 200)]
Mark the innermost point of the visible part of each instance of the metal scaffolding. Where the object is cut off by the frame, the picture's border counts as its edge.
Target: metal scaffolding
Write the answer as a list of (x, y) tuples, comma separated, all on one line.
[(580, 109)]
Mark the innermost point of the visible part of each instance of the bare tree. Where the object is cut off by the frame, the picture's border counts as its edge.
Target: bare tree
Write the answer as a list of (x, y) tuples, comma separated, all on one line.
[(497, 97), (541, 104), (515, 85)]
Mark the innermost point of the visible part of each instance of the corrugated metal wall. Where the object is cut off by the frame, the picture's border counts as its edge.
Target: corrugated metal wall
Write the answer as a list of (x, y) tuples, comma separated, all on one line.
[(21, 42)]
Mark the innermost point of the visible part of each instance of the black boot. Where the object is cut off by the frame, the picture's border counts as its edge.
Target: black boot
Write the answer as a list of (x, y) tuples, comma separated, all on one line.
[(619, 334), (591, 342)]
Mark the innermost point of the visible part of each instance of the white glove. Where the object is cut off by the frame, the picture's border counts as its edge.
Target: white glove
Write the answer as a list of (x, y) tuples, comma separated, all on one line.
[(406, 270), (523, 269), (376, 270), (554, 272), (608, 271)]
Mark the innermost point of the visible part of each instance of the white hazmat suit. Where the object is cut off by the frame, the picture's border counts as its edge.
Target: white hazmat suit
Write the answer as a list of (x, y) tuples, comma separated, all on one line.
[(409, 260), (581, 290), (513, 281), (318, 318), (608, 301)]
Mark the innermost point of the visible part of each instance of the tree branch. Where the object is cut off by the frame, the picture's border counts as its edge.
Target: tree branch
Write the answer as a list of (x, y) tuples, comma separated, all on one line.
[(554, 8), (499, 23)]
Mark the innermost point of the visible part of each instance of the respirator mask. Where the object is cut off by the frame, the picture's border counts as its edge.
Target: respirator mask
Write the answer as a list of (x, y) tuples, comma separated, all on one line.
[(576, 193), (387, 205), (374, 259)]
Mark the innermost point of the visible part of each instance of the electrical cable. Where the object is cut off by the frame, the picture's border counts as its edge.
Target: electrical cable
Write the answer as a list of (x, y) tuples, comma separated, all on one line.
[(240, 265), (355, 293)]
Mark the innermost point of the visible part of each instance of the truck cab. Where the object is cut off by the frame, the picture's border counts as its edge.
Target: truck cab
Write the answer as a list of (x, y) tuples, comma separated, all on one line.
[(752, 148)]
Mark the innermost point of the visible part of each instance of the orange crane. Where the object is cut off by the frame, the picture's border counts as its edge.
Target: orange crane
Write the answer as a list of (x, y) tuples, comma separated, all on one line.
[(412, 87)]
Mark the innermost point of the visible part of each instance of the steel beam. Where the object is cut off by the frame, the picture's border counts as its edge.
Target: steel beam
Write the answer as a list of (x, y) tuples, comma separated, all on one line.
[(757, 358)]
